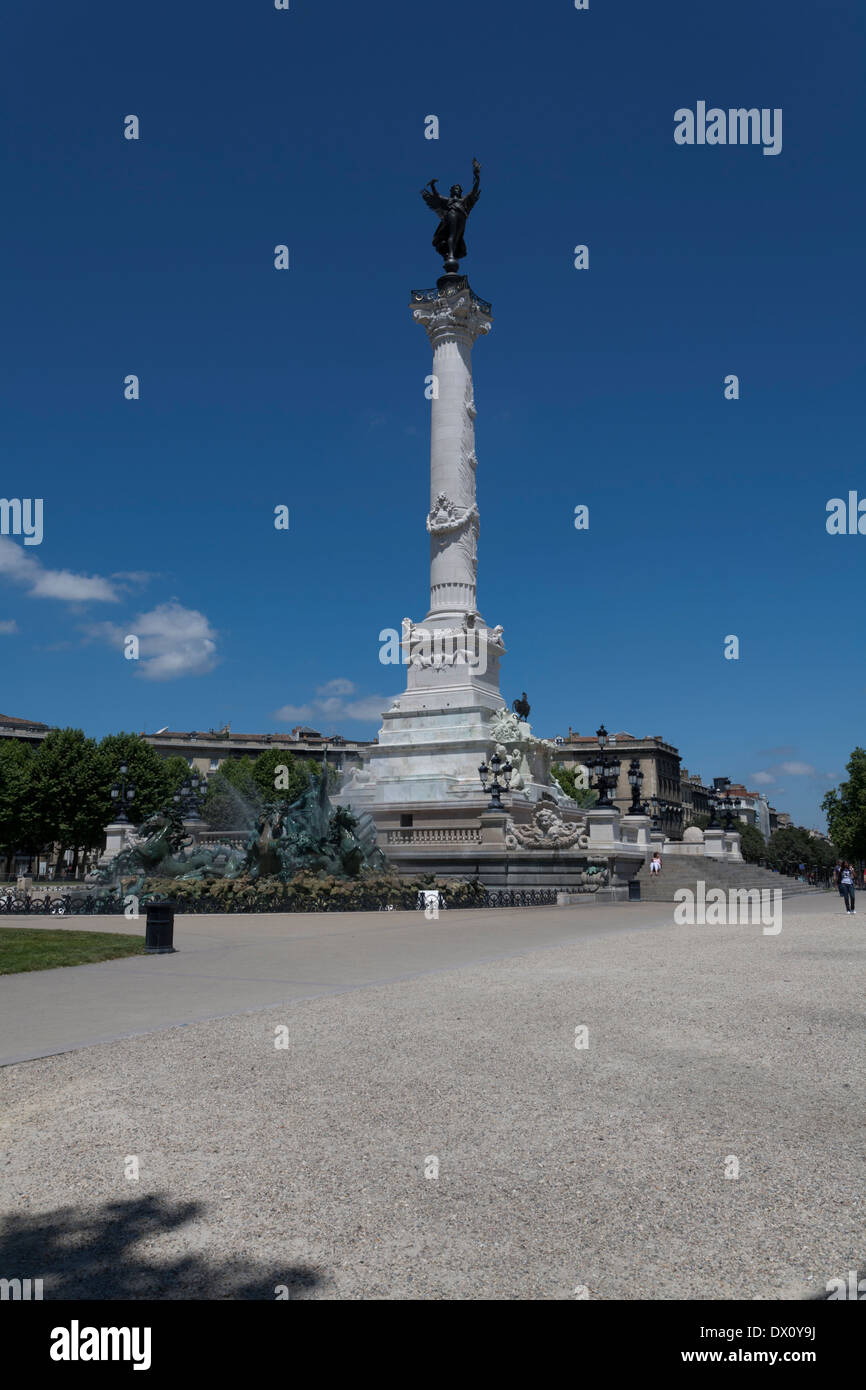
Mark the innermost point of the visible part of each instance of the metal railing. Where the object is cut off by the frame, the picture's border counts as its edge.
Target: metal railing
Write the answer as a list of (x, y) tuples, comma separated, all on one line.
[(54, 904), (114, 904), (513, 897)]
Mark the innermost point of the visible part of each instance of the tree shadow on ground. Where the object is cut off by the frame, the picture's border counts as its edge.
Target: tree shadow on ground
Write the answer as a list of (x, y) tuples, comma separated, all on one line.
[(99, 1254)]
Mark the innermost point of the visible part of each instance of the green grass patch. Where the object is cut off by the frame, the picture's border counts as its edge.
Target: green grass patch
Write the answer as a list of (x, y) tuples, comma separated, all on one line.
[(22, 948)]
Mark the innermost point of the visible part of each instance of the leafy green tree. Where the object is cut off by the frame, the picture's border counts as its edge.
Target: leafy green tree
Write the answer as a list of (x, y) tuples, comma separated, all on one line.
[(845, 808), (566, 777), (793, 845), (17, 825), (177, 770), (233, 796), (267, 771), (243, 785), (753, 846), (275, 784), (68, 792), (147, 770)]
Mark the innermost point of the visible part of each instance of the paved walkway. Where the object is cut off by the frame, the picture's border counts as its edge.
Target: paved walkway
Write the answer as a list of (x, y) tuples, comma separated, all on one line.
[(231, 964)]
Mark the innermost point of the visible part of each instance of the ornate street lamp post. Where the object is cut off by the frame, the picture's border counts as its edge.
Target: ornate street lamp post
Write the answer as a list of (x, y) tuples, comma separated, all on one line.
[(605, 768), (720, 803), (635, 779), (123, 795), (189, 798), (497, 768)]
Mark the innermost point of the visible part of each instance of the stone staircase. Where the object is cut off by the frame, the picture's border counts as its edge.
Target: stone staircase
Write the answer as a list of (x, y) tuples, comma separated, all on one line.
[(684, 871)]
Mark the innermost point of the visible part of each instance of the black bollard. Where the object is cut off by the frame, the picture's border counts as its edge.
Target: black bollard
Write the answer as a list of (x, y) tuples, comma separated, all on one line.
[(159, 933)]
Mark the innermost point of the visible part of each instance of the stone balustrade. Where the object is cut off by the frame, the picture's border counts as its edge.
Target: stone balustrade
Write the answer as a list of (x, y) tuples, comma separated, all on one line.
[(436, 836)]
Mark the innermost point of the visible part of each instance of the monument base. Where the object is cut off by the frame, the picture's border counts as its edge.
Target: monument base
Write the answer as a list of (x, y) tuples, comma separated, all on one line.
[(535, 841)]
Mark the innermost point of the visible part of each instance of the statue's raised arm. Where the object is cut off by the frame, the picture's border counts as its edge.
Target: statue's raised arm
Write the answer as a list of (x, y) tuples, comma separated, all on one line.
[(475, 191)]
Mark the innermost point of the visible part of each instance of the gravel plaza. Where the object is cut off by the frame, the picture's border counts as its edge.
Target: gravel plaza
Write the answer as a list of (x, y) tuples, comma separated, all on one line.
[(382, 1107)]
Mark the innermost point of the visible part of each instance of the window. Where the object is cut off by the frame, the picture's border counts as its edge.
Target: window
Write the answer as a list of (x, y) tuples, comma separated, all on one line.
[(405, 821)]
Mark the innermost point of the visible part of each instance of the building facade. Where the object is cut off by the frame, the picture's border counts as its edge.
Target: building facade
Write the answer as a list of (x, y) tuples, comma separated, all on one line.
[(206, 751), (752, 808), (659, 762), (24, 730), (695, 795)]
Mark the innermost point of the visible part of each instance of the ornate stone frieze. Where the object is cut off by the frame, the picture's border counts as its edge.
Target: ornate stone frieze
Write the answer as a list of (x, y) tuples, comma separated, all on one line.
[(546, 830), (435, 647), (446, 516)]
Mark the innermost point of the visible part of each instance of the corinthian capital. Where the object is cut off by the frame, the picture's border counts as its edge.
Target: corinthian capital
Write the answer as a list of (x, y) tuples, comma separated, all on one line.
[(461, 312)]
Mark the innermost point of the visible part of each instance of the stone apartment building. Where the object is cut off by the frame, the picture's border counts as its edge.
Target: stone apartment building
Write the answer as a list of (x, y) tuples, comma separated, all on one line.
[(205, 751), (695, 795), (24, 730), (752, 808), (659, 762)]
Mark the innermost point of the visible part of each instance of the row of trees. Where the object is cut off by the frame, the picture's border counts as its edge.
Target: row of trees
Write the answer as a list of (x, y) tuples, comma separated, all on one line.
[(60, 793), (793, 845), (786, 848)]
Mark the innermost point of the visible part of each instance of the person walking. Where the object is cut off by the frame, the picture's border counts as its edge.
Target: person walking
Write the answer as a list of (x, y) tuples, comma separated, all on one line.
[(846, 888)]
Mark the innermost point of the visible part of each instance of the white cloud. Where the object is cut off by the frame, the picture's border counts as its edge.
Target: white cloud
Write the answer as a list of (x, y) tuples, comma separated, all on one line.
[(24, 568), (296, 713), (8, 627), (331, 706), (134, 579), (173, 641), (16, 562), (770, 776), (340, 686), (370, 707)]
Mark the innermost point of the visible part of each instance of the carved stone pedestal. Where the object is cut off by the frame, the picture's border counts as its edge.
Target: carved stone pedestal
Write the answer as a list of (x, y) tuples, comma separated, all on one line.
[(635, 830), (117, 837), (714, 844)]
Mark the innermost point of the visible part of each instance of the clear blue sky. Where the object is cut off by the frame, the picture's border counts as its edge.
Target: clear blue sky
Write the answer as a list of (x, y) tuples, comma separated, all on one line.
[(306, 387)]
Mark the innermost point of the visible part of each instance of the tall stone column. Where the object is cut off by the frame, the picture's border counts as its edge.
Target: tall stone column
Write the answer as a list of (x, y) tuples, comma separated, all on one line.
[(438, 731), (454, 318), (452, 656)]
